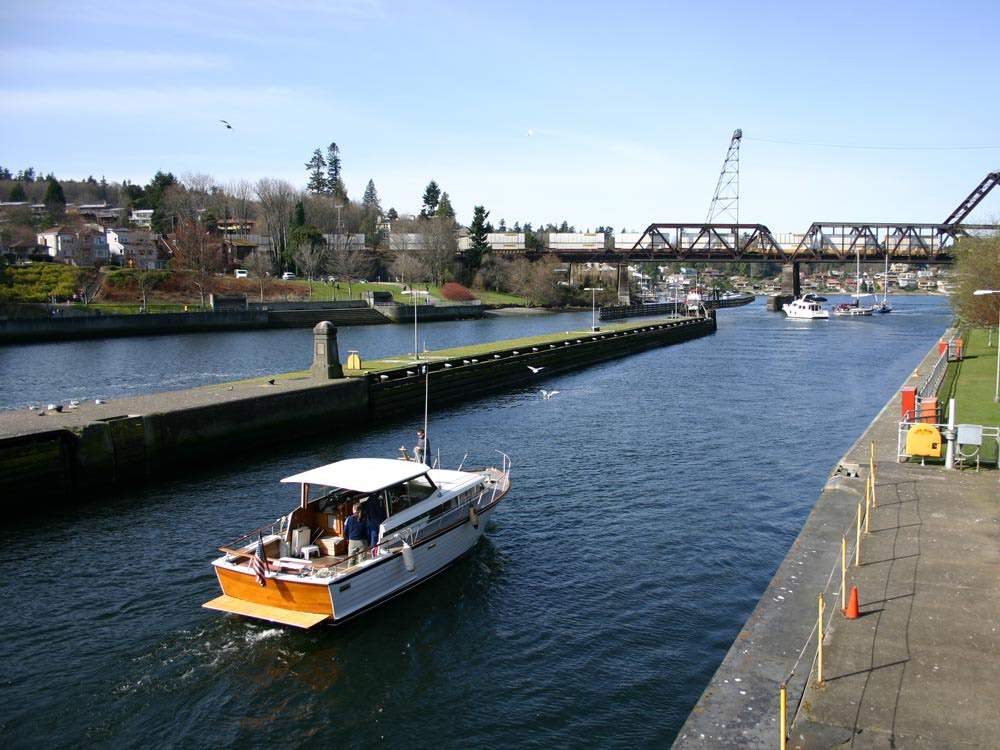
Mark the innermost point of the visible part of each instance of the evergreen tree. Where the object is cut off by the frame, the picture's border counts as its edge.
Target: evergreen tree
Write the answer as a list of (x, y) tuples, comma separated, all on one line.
[(370, 200), (392, 215), (477, 236), (55, 199), (161, 222), (26, 175), (102, 189), (154, 191), (299, 217), (5, 174), (432, 195), (317, 173), (334, 184), (444, 209), (503, 226), (17, 193)]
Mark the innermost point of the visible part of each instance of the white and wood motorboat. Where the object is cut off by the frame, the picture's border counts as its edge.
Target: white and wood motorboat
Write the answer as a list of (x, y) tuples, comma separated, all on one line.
[(805, 308), (296, 571)]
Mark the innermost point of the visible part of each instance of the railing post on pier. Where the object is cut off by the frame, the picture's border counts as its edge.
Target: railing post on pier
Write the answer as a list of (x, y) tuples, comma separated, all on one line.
[(843, 571), (819, 644), (868, 515), (857, 540), (783, 717)]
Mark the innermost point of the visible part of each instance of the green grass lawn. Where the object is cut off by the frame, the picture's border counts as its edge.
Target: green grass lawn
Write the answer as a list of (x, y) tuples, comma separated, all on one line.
[(323, 292), (972, 382), (487, 298)]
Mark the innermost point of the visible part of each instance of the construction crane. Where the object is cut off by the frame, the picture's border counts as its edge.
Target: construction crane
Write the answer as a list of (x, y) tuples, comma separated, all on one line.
[(726, 201)]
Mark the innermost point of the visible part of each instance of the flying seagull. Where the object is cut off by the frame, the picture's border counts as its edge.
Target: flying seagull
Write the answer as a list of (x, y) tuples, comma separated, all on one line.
[(547, 395), (230, 127), (535, 370)]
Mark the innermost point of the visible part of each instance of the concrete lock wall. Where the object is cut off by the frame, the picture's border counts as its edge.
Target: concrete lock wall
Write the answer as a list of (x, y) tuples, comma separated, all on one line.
[(128, 448), (466, 377), (100, 326), (110, 451)]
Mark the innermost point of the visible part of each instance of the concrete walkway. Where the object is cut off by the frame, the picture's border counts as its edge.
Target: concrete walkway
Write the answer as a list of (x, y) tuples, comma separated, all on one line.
[(920, 667)]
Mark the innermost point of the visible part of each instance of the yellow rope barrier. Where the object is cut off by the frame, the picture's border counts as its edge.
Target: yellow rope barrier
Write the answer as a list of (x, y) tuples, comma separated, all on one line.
[(783, 718), (819, 643)]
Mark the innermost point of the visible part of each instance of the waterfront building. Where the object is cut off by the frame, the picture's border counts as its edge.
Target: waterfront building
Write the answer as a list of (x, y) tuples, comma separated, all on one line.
[(134, 248), (142, 217), (77, 246)]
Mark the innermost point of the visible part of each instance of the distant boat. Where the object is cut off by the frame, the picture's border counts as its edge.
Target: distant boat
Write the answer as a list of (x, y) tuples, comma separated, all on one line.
[(805, 309), (855, 309), (884, 306)]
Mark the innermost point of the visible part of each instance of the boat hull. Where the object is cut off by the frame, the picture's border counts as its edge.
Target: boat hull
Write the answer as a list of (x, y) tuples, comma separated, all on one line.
[(385, 579), (349, 595)]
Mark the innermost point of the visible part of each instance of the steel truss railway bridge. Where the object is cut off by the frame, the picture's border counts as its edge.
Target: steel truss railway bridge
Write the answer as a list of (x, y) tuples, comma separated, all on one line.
[(824, 242)]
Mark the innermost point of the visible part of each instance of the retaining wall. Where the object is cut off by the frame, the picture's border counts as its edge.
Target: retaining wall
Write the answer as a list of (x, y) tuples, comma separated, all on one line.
[(83, 451)]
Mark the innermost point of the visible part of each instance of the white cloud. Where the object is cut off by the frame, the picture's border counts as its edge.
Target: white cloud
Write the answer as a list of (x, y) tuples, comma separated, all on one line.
[(79, 61), (196, 101)]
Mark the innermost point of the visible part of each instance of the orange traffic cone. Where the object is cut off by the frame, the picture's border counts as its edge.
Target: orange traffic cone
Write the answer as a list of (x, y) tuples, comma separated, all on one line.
[(852, 612)]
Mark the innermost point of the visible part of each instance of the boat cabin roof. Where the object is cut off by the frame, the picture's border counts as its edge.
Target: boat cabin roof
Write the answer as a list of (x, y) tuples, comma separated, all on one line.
[(361, 474)]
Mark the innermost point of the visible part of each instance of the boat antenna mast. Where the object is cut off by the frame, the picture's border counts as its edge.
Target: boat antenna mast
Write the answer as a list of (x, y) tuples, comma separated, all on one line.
[(726, 201)]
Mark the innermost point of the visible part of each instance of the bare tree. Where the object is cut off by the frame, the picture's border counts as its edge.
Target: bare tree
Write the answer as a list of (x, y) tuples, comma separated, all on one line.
[(241, 195), (440, 247), (311, 254), (195, 252), (351, 260), (259, 264), (409, 268), (277, 199)]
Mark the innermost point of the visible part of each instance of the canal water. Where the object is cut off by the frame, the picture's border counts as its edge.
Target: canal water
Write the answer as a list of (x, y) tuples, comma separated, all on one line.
[(652, 500)]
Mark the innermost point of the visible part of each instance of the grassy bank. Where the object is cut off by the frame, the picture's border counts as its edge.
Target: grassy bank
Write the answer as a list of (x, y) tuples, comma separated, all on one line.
[(972, 383)]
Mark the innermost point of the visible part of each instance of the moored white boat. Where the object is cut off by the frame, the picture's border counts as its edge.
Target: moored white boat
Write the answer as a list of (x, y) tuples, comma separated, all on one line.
[(296, 571)]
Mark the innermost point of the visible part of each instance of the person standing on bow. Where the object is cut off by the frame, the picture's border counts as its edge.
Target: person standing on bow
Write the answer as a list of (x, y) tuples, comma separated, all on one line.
[(422, 450)]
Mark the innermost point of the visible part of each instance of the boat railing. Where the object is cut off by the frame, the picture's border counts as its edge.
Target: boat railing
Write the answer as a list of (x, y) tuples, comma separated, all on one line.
[(499, 484), (243, 545)]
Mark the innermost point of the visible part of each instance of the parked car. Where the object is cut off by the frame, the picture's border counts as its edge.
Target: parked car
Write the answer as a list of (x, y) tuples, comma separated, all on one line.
[(287, 276), (241, 273)]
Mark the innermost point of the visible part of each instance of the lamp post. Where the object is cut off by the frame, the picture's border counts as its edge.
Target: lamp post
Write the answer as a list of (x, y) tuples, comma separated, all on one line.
[(980, 293), (593, 305), (413, 292)]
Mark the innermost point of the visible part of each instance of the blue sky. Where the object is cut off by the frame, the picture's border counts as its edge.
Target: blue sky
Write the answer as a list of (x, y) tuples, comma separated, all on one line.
[(598, 113)]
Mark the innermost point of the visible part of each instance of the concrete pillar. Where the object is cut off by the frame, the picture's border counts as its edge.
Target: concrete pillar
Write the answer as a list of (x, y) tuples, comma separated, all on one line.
[(790, 283), (623, 284), (326, 358)]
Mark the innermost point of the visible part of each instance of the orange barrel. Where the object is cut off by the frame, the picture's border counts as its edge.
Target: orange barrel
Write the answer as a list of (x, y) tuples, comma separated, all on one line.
[(908, 407), (958, 349), (928, 410), (942, 347)]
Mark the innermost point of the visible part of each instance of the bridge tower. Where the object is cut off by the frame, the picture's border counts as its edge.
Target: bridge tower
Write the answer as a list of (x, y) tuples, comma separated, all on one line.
[(726, 201)]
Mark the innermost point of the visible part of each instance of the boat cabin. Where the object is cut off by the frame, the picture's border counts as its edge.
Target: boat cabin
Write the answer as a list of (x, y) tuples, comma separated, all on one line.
[(406, 500)]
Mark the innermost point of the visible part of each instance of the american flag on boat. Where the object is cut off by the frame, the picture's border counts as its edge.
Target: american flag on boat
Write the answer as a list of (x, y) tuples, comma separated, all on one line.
[(258, 563)]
